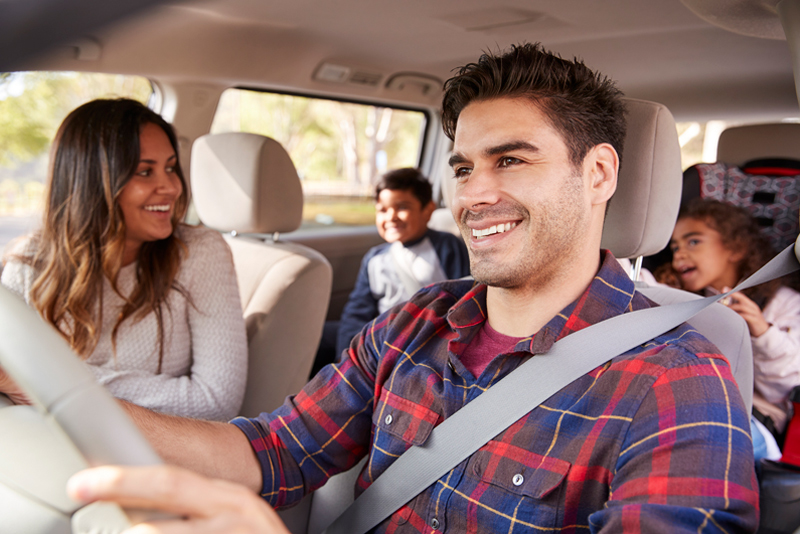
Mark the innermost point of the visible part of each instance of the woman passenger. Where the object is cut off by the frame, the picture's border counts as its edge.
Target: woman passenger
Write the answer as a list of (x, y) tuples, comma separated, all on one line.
[(150, 303)]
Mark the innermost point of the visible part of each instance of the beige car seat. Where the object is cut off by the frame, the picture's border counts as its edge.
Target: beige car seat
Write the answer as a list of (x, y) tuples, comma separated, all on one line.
[(442, 218), (247, 185), (739, 144), (640, 219)]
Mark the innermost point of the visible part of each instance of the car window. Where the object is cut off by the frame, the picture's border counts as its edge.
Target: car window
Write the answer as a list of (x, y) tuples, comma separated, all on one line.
[(339, 148), (32, 106), (699, 140)]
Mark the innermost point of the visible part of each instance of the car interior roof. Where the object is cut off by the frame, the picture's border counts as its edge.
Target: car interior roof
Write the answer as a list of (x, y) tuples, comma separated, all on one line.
[(658, 50)]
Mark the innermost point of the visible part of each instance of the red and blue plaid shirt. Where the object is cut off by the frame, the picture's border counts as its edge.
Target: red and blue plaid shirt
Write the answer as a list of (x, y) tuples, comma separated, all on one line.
[(657, 440)]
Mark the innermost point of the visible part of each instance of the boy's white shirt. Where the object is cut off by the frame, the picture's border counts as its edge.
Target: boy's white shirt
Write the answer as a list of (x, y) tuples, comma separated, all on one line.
[(387, 272)]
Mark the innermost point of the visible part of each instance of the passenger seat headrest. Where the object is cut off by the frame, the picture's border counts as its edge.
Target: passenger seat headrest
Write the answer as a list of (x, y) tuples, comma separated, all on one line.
[(643, 211), (741, 144), (245, 183)]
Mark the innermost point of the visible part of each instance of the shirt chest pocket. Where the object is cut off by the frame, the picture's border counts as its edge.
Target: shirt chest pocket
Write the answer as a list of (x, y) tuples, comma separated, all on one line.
[(530, 482), (398, 424)]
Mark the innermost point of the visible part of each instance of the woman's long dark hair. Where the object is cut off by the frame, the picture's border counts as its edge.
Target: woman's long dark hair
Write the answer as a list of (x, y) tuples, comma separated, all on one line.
[(95, 153)]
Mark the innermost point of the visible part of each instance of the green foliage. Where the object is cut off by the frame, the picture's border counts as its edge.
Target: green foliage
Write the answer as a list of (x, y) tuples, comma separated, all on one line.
[(337, 147), (33, 104)]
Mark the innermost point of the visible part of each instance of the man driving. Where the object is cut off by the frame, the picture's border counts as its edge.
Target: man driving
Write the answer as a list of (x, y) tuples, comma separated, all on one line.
[(656, 440)]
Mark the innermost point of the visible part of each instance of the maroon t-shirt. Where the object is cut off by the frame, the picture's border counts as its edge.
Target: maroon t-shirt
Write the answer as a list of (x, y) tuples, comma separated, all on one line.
[(487, 344)]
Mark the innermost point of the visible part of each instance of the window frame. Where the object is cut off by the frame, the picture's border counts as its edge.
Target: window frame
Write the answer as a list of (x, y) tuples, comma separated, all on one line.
[(425, 133)]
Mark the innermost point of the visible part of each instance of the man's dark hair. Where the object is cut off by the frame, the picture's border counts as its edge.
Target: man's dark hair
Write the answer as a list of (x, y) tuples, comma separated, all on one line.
[(407, 179), (583, 106)]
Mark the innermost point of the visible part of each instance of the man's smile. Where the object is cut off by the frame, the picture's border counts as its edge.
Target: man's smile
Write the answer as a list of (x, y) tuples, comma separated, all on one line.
[(494, 229)]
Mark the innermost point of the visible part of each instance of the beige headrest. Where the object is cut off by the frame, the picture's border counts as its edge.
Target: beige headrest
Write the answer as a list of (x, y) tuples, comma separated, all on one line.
[(643, 211), (741, 144), (245, 182)]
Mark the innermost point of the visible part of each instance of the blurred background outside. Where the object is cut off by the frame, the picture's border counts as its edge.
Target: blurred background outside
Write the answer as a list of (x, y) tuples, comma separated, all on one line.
[(340, 149)]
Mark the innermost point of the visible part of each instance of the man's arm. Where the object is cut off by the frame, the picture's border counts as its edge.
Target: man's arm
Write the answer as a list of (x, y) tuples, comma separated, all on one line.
[(216, 450)]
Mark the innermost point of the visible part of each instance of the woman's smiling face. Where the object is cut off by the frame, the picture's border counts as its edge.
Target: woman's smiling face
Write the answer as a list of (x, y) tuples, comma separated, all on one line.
[(148, 199)]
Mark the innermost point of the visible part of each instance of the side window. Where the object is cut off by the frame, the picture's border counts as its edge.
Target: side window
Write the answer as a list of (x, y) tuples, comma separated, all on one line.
[(339, 148), (698, 141), (32, 106)]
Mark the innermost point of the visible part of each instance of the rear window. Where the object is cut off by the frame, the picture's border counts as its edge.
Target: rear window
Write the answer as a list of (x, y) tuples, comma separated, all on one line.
[(32, 106), (699, 140), (340, 149)]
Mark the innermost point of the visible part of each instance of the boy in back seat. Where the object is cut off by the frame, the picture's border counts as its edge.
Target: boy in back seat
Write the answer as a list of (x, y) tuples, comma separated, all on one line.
[(413, 256)]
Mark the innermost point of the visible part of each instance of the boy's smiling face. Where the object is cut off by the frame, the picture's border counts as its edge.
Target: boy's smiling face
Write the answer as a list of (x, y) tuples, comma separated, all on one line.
[(400, 216)]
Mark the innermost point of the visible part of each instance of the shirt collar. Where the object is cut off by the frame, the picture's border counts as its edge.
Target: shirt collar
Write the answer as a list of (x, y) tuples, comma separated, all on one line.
[(418, 240), (608, 295)]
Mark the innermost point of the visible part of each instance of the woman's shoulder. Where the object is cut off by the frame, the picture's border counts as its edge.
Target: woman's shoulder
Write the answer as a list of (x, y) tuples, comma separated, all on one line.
[(200, 237), (18, 272), (203, 245), (22, 247)]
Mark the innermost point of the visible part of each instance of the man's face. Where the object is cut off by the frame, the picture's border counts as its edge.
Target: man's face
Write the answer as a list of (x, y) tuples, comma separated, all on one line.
[(400, 216), (522, 207)]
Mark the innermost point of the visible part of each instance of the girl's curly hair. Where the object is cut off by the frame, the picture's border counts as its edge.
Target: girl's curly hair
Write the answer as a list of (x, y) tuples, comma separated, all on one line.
[(740, 232)]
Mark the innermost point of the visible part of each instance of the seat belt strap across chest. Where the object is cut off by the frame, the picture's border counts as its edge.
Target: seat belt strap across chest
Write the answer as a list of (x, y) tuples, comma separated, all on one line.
[(510, 399)]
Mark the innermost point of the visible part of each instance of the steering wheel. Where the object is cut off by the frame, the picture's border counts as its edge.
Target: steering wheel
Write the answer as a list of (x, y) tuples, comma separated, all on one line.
[(74, 423)]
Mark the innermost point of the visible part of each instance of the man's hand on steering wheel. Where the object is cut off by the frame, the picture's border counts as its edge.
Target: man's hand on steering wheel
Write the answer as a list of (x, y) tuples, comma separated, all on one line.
[(206, 505)]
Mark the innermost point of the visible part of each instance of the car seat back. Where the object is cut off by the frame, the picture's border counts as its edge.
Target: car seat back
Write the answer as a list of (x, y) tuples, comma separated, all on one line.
[(247, 185), (740, 144)]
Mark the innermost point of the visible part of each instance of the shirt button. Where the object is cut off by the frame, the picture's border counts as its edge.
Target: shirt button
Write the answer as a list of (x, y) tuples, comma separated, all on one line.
[(518, 479), (435, 524), (388, 419), (450, 365)]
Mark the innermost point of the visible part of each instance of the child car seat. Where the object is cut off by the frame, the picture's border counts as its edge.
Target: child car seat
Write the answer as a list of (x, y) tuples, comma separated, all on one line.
[(758, 168), (767, 188)]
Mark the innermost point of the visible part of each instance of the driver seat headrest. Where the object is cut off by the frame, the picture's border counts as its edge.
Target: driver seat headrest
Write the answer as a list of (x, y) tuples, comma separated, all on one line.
[(643, 211)]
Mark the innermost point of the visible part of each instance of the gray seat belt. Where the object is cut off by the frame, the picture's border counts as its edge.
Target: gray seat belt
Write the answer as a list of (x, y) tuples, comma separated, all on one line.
[(533, 382)]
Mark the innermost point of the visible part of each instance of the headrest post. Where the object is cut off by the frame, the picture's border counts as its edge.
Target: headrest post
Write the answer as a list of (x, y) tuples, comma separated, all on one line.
[(637, 268)]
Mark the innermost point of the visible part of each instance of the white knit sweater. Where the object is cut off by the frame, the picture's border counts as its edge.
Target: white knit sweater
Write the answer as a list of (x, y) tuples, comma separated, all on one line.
[(776, 356), (204, 368)]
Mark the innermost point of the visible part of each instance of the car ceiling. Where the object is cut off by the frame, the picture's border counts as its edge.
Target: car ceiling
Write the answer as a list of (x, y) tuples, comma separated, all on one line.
[(656, 49)]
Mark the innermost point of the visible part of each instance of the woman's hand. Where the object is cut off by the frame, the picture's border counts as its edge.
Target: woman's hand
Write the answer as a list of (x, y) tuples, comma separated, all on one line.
[(12, 390), (749, 311), (205, 505)]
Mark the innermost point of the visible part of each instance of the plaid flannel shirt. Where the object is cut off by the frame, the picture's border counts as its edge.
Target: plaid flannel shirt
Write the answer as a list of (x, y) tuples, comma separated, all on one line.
[(657, 440)]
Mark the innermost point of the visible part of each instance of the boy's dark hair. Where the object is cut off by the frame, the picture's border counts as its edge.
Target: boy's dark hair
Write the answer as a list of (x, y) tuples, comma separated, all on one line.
[(583, 106), (407, 179), (739, 232)]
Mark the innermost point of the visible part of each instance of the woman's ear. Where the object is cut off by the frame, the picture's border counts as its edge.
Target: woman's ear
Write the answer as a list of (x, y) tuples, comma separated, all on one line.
[(601, 164)]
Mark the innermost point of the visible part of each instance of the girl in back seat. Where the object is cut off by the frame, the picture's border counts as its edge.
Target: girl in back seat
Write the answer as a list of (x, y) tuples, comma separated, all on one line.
[(151, 304), (714, 246)]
